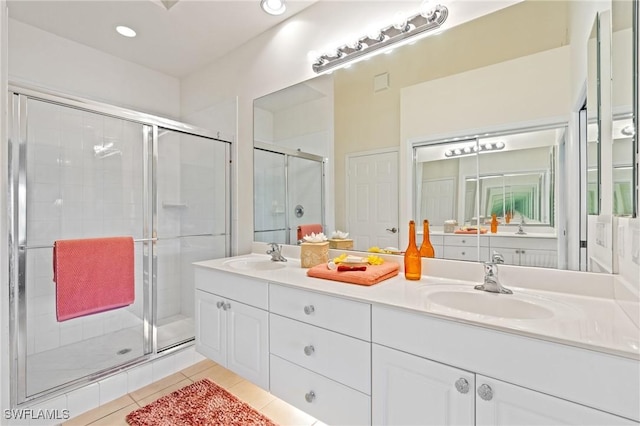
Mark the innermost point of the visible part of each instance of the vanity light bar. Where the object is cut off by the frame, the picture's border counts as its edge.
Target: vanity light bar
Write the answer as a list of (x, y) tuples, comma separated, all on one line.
[(387, 38), (472, 149)]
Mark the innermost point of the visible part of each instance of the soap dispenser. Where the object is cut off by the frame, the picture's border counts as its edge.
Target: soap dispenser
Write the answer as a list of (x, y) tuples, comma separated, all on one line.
[(412, 259)]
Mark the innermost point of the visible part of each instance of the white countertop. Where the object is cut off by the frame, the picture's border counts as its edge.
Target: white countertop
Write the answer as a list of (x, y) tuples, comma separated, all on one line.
[(590, 322)]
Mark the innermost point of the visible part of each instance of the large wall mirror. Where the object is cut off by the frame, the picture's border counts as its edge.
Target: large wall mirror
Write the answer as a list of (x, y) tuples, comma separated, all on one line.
[(523, 182)]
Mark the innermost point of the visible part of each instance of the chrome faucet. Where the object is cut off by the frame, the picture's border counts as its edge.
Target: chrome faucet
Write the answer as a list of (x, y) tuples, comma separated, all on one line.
[(276, 255), (491, 282), (520, 230)]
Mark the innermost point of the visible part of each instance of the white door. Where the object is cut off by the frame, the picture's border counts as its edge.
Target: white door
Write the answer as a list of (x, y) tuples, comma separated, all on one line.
[(372, 200), (409, 390), (211, 326), (438, 202), (248, 342), (500, 403)]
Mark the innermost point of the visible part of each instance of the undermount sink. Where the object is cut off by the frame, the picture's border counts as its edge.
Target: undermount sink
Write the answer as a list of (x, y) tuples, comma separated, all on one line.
[(255, 264), (510, 306)]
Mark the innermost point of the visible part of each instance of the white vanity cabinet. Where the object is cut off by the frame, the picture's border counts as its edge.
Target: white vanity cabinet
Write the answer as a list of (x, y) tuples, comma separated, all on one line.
[(432, 371), (526, 251), (321, 354), (232, 323), (410, 390)]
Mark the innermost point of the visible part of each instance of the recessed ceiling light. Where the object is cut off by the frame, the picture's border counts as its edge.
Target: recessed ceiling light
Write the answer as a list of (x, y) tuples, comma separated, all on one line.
[(273, 7), (125, 31)]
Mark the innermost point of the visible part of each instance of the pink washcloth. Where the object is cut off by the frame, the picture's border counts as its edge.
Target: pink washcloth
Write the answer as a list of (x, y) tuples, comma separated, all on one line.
[(93, 275), (314, 228), (373, 275)]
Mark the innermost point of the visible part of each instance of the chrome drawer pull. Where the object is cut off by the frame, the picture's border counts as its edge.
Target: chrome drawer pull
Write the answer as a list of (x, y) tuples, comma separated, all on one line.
[(310, 396), (309, 350), (485, 392), (462, 385), (309, 309)]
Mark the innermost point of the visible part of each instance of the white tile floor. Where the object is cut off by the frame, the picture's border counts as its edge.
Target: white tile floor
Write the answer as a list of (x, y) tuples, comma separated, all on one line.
[(115, 412)]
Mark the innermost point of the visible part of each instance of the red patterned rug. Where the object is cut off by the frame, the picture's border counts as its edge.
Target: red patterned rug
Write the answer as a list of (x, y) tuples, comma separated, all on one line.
[(202, 403)]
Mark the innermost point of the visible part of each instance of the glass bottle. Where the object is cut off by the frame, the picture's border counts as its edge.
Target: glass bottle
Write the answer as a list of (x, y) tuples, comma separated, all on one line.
[(412, 259), (494, 223), (426, 249)]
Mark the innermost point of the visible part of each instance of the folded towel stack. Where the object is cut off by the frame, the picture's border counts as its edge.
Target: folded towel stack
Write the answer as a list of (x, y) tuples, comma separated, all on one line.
[(372, 275)]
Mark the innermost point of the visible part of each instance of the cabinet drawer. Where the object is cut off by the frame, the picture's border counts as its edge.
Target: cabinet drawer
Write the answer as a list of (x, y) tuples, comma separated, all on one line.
[(339, 357), (524, 243), (246, 290), (324, 399), (465, 253), (341, 315), (465, 240)]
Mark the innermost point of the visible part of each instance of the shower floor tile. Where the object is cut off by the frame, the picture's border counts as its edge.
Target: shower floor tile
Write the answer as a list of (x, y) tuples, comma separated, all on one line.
[(46, 370), (174, 330)]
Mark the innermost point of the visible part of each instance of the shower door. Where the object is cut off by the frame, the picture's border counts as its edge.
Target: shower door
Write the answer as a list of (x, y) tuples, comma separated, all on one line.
[(192, 224), (270, 197), (83, 170), (288, 191), (75, 174)]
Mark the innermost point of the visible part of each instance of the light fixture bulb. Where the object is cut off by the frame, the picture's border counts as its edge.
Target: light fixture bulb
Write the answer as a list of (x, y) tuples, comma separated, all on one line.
[(273, 7), (499, 145), (125, 31)]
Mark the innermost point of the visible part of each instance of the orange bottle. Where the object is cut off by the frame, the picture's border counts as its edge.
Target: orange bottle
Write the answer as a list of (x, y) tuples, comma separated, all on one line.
[(494, 223), (412, 259), (426, 249)]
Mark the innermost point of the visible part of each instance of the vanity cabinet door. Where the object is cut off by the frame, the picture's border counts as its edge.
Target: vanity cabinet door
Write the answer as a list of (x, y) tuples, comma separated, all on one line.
[(234, 335), (211, 327), (248, 342), (409, 390), (502, 404)]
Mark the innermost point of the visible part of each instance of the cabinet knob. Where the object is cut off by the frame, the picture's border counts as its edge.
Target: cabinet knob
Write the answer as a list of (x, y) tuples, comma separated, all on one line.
[(485, 392), (226, 306), (219, 304), (464, 241), (309, 350), (462, 385), (309, 309), (463, 253), (310, 396)]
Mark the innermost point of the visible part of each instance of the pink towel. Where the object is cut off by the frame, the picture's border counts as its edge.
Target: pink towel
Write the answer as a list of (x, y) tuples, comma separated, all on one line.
[(303, 230), (92, 275), (372, 275)]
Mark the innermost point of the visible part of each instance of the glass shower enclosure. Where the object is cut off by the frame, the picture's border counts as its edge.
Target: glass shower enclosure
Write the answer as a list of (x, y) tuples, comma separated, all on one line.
[(84, 170), (288, 192)]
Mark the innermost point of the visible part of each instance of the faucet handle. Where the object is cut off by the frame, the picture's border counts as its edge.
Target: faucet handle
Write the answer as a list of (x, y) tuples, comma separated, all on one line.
[(274, 247), (497, 257)]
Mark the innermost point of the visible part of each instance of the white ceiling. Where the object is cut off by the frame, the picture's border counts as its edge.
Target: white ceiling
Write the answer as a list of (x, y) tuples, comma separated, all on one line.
[(178, 41)]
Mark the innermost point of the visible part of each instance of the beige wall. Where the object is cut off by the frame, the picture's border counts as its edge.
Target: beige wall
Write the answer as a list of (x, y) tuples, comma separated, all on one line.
[(365, 120)]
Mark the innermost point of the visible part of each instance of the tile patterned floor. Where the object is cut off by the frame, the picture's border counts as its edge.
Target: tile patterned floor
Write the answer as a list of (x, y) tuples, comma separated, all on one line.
[(115, 412)]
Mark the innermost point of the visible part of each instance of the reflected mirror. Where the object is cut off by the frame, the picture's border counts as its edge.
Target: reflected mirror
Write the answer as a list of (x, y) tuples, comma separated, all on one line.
[(593, 120), (624, 148), (363, 106)]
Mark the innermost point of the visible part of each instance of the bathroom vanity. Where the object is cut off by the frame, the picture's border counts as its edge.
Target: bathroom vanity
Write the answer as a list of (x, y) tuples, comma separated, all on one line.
[(433, 351)]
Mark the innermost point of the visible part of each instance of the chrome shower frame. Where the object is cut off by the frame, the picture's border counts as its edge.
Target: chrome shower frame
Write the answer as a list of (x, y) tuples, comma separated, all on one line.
[(17, 202)]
